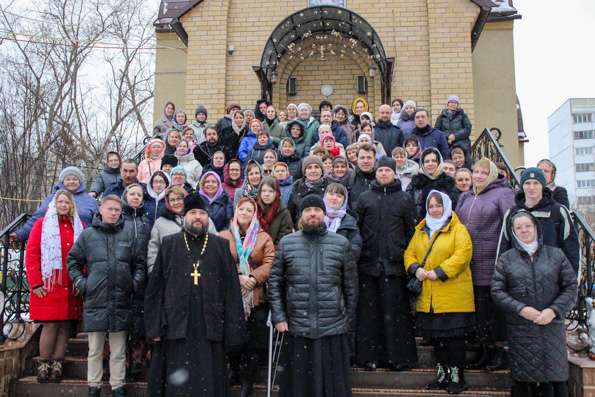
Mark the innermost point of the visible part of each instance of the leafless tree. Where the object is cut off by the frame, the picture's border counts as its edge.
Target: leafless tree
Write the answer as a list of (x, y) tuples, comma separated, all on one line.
[(76, 80)]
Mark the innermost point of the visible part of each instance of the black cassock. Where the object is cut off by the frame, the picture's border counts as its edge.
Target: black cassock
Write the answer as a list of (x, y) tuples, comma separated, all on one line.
[(196, 323)]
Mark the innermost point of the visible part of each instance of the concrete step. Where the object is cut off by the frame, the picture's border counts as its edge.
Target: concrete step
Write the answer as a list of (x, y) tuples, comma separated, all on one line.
[(76, 368), (28, 387), (78, 347)]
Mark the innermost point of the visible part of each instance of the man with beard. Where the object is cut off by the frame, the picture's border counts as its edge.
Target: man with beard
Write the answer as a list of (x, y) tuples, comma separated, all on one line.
[(204, 152), (384, 331), (385, 132), (313, 294), (193, 309)]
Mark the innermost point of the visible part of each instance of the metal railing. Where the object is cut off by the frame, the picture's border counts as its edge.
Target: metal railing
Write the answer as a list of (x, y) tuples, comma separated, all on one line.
[(486, 146), (14, 288)]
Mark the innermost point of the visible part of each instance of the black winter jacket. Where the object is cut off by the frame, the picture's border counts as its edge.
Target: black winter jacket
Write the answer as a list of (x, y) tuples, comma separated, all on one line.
[(537, 352), (299, 191), (348, 229), (359, 183), (556, 226), (421, 185), (386, 223), (313, 284), (389, 135), (115, 270), (456, 123), (204, 152)]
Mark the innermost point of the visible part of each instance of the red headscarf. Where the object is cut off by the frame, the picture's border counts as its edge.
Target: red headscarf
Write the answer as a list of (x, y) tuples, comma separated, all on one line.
[(266, 215)]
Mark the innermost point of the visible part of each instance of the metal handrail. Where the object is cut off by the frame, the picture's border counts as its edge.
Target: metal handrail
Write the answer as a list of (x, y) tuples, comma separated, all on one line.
[(486, 146), (14, 289)]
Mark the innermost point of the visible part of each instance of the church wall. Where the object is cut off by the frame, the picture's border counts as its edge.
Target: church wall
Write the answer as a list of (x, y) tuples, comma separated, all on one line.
[(494, 82), (170, 73)]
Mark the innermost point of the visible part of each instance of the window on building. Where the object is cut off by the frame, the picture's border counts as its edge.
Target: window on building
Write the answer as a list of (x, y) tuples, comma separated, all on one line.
[(585, 167), (584, 134), (579, 151), (585, 183), (586, 200), (582, 118)]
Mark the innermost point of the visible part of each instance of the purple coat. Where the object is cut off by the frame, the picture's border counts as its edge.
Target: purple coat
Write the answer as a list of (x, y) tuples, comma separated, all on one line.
[(482, 214)]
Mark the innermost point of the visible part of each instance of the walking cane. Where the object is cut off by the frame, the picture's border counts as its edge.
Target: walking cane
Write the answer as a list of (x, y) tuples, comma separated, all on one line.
[(274, 355), (270, 363)]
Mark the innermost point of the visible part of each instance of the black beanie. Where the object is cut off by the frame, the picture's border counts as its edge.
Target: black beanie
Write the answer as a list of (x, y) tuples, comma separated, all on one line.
[(387, 162), (312, 200), (169, 159), (194, 202)]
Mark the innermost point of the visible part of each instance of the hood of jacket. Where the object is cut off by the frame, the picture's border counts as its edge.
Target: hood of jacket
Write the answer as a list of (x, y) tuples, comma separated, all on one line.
[(150, 143), (185, 158), (410, 167)]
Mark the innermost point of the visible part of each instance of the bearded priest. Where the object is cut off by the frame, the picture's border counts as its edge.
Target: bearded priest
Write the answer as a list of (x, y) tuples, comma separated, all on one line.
[(193, 309)]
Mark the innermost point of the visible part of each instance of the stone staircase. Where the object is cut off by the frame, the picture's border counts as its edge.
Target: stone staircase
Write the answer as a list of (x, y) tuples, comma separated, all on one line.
[(365, 383)]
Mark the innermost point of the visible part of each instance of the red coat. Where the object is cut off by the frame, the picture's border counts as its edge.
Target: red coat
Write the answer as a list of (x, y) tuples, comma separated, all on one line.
[(60, 303)]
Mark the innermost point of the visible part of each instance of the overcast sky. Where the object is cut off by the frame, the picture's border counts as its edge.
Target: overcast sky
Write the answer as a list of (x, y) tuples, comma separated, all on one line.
[(555, 60)]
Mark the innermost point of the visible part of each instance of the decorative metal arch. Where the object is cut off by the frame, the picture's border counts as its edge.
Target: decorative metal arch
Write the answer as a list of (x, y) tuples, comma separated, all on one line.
[(303, 23)]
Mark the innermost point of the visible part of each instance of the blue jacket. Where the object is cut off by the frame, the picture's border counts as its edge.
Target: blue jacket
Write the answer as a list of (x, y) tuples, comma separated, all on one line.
[(431, 137), (338, 133), (86, 207), (286, 187), (153, 208), (246, 146), (118, 188), (220, 211)]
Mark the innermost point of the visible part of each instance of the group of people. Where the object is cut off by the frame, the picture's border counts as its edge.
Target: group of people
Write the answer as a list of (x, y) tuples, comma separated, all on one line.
[(356, 233)]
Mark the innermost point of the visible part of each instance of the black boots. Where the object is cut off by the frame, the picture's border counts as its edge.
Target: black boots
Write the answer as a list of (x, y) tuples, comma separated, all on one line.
[(498, 360), (119, 392), (457, 381), (481, 360), (442, 378)]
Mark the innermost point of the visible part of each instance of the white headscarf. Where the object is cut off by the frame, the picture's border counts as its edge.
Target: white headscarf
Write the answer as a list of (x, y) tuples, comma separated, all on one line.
[(435, 224), (531, 247), (51, 244)]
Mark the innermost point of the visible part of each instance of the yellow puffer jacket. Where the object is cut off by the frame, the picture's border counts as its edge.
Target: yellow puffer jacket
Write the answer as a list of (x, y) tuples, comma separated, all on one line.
[(450, 258)]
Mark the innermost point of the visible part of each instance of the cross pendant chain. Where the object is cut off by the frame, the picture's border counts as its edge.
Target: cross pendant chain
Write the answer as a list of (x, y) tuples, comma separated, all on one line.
[(195, 274)]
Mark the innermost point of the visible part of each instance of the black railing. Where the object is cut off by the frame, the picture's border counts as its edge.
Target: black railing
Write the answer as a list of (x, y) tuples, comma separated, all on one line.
[(486, 146), (14, 289), (579, 316)]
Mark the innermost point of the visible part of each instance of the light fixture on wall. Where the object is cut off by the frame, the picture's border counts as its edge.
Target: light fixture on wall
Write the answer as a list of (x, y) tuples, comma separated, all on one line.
[(230, 50), (274, 77), (372, 71)]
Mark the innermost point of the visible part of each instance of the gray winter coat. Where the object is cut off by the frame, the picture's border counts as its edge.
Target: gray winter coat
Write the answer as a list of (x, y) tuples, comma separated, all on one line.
[(313, 284), (115, 270), (537, 352), (109, 176)]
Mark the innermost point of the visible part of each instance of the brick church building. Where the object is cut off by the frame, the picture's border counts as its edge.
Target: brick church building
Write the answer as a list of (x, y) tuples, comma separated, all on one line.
[(214, 51)]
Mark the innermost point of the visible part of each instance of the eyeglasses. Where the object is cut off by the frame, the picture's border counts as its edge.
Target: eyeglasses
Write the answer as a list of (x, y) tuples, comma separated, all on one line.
[(176, 200)]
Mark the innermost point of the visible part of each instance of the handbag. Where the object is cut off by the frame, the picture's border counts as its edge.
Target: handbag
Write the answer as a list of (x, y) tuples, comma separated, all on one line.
[(414, 285)]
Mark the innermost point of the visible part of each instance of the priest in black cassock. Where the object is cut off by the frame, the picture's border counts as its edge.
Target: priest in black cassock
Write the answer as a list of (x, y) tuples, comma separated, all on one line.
[(193, 310)]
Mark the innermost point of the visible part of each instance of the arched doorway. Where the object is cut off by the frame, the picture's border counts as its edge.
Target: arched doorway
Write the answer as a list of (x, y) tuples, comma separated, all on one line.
[(324, 46)]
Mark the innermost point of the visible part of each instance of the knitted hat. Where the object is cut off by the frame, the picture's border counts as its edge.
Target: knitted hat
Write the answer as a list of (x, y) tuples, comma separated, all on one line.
[(71, 171), (178, 168), (201, 109), (311, 160), (325, 136), (386, 162), (194, 202), (231, 105), (169, 159), (312, 200), (533, 173), (453, 98)]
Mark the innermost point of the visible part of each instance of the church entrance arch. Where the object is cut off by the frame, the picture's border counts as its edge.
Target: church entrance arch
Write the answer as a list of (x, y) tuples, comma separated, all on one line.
[(324, 52)]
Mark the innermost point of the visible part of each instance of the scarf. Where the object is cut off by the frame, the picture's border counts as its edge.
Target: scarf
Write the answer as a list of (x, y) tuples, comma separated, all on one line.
[(435, 224), (313, 184), (244, 250), (219, 191), (51, 243), (333, 217), (529, 248), (266, 213)]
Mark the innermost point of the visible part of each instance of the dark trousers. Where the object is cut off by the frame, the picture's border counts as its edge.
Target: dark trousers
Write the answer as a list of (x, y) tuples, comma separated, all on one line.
[(384, 330), (490, 322), (450, 351)]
